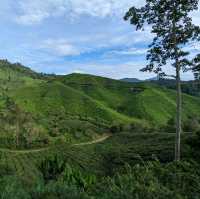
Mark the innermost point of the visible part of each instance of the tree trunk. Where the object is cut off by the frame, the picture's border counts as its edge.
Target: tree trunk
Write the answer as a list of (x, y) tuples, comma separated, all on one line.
[(178, 90), (178, 115)]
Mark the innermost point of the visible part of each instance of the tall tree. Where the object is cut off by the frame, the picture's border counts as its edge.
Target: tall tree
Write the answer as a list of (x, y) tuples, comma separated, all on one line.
[(173, 29)]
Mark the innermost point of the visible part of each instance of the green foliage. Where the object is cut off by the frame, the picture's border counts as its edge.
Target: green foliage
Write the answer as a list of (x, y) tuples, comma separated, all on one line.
[(194, 143), (74, 176), (12, 187), (78, 108), (143, 181), (192, 125), (153, 180), (18, 128)]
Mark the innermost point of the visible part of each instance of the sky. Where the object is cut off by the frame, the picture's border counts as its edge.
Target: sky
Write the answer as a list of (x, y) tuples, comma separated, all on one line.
[(81, 36)]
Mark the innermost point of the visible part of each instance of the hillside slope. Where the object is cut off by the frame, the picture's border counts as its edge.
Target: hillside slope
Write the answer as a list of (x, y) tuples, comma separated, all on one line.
[(92, 97), (79, 107), (56, 98), (141, 100)]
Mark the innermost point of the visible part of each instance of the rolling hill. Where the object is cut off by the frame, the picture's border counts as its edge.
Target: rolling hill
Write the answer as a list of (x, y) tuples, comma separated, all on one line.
[(92, 97), (144, 101), (80, 107)]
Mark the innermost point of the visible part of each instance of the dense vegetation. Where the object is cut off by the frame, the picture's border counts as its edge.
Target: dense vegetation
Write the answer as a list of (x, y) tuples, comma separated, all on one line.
[(108, 170), (188, 87), (59, 179), (43, 116)]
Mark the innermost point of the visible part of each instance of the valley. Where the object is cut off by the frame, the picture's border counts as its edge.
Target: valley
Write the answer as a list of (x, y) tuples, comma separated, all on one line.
[(78, 128)]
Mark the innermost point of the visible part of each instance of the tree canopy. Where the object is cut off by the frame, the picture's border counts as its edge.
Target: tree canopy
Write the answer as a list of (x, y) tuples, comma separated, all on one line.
[(172, 28)]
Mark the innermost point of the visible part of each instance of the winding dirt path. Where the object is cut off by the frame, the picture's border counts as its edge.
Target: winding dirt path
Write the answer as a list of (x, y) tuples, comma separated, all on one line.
[(23, 151), (101, 139)]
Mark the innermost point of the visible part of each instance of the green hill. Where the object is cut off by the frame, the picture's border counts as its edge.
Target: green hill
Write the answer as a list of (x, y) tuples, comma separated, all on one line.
[(145, 101), (79, 107)]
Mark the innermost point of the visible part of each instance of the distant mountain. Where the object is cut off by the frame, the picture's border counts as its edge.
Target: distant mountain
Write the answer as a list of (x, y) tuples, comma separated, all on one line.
[(131, 80), (189, 87), (152, 79), (135, 80)]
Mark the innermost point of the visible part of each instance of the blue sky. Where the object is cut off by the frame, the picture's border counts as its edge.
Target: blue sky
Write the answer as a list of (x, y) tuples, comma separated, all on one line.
[(66, 36)]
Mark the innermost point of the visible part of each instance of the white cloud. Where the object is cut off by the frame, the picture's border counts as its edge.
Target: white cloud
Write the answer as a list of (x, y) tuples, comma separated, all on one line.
[(79, 71), (33, 12), (101, 8), (196, 16), (31, 18), (130, 51), (115, 71), (192, 47), (60, 47), (118, 71)]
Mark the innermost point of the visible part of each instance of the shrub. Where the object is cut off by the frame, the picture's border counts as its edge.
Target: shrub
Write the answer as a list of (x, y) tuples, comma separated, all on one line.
[(191, 125)]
